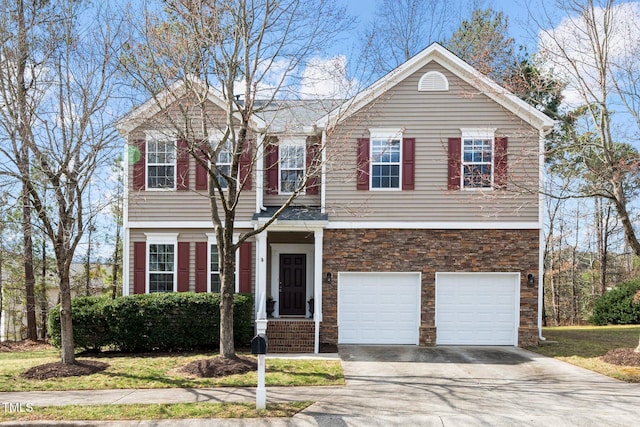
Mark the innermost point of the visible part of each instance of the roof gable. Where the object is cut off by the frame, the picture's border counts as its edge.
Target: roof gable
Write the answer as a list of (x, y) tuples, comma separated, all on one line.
[(167, 97), (437, 53)]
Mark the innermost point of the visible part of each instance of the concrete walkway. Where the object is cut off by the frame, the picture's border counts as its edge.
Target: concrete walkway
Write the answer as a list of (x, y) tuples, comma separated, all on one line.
[(408, 385)]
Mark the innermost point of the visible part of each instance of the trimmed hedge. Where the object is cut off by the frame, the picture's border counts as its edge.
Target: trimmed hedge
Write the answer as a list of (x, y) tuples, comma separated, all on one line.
[(148, 322), (617, 307)]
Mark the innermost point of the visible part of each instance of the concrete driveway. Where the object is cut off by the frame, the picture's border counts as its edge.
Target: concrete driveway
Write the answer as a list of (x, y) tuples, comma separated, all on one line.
[(488, 386)]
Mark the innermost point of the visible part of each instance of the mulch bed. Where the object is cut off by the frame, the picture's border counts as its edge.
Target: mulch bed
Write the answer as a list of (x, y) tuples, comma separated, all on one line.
[(59, 370), (25, 345), (622, 357), (219, 367)]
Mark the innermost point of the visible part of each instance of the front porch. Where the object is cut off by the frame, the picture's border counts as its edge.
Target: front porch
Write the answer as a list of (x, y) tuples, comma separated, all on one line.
[(289, 272)]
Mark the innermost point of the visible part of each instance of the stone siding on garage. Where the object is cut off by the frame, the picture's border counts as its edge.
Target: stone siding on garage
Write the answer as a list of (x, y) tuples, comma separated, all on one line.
[(431, 251)]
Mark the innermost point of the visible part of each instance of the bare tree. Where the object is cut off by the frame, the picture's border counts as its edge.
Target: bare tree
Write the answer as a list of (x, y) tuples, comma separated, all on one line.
[(248, 54), (68, 128), (402, 28), (586, 51)]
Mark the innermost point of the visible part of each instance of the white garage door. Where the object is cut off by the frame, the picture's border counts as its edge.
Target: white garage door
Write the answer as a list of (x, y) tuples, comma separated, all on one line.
[(477, 308), (378, 308)]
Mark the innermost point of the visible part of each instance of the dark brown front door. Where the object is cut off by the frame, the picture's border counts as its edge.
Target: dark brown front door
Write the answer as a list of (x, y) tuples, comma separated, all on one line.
[(293, 284)]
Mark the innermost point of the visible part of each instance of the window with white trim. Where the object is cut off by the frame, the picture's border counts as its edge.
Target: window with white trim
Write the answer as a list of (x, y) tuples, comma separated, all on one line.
[(223, 164), (162, 271), (292, 161), (477, 159), (161, 164), (214, 268), (386, 159)]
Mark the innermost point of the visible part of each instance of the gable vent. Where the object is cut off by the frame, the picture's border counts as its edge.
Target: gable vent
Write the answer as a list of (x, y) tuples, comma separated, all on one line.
[(433, 81)]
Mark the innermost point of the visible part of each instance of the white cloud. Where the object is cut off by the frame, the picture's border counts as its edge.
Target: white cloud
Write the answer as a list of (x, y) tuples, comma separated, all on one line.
[(326, 78), (568, 49)]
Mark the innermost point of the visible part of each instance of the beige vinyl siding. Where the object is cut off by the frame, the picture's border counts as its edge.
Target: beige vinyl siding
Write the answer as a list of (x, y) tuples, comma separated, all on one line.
[(191, 236), (173, 205), (431, 118)]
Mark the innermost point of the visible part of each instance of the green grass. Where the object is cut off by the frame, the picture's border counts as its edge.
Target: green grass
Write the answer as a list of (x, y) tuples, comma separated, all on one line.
[(154, 411), (131, 371), (584, 345)]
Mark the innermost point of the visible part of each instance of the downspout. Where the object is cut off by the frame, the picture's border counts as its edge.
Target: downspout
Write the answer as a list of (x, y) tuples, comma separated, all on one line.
[(323, 173), (125, 222), (541, 181)]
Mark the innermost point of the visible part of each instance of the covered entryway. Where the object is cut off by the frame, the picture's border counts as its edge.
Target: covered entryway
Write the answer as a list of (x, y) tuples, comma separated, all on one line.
[(378, 308), (477, 308)]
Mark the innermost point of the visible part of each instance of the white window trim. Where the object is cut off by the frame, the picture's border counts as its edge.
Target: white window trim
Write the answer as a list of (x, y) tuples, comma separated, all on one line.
[(300, 141), (162, 239), (385, 133), (160, 136), (212, 240), (477, 133)]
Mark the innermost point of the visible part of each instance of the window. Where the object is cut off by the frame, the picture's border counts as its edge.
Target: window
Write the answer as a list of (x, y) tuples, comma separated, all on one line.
[(214, 268), (292, 165), (161, 164), (161, 267), (386, 159), (223, 164), (477, 159)]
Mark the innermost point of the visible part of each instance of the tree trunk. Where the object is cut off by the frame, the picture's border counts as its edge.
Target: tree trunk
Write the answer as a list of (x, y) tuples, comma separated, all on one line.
[(66, 326), (227, 347), (29, 277)]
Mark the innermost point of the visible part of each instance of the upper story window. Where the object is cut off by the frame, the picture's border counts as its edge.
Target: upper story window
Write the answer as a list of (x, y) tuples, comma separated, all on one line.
[(292, 161), (477, 158), (161, 164), (386, 159), (225, 157)]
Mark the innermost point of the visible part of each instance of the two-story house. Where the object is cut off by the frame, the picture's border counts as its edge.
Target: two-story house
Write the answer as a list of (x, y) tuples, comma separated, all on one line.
[(423, 226)]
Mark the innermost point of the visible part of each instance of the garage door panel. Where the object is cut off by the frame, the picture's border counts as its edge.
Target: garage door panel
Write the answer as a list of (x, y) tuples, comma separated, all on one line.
[(378, 308), (477, 308)]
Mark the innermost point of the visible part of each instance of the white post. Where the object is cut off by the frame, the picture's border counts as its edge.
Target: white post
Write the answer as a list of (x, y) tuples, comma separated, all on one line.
[(261, 391), (317, 287)]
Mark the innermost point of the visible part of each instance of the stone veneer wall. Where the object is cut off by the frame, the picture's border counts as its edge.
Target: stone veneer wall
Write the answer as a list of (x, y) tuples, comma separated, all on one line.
[(431, 251)]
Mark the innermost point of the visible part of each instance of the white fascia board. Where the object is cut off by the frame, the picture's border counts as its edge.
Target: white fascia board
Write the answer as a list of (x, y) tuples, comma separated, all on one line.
[(294, 225), (457, 66), (183, 224), (493, 225)]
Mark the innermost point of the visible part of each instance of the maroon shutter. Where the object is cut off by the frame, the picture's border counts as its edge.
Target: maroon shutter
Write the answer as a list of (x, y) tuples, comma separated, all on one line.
[(183, 266), (182, 165), (139, 171), (408, 163), (455, 151), (363, 164), (139, 267), (245, 267), (500, 161), (271, 157), (313, 151), (246, 162), (202, 174), (201, 266)]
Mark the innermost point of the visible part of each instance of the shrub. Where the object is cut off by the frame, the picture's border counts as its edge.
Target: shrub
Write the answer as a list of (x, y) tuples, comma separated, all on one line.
[(90, 328), (164, 321), (617, 305)]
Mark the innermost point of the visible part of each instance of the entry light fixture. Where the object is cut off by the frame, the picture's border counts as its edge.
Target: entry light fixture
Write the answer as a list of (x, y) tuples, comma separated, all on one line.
[(531, 279), (328, 277)]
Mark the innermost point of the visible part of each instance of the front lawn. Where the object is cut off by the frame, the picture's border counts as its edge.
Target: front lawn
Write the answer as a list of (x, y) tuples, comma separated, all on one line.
[(584, 346), (160, 371)]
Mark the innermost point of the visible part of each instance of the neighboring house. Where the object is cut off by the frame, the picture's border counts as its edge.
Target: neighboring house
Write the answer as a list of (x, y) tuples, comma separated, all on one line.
[(423, 228)]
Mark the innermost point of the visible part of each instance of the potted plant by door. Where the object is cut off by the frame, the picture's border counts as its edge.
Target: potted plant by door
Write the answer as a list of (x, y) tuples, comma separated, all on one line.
[(271, 305), (311, 306)]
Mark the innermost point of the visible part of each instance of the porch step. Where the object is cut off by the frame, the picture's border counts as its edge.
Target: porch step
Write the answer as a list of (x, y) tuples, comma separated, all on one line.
[(290, 335)]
